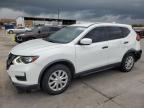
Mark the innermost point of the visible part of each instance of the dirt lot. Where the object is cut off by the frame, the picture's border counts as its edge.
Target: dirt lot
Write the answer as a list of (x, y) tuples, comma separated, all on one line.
[(108, 89)]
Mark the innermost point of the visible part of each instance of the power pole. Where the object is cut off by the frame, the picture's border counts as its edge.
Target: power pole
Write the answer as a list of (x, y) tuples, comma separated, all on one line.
[(58, 15)]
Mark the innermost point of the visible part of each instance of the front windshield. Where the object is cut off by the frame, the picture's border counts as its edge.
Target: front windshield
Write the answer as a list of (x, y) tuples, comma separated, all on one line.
[(65, 35)]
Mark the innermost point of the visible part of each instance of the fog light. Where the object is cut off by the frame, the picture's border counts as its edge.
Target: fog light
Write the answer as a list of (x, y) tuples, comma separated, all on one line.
[(21, 78)]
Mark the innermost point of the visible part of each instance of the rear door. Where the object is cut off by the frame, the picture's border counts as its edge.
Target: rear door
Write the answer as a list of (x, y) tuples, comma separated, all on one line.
[(117, 43)]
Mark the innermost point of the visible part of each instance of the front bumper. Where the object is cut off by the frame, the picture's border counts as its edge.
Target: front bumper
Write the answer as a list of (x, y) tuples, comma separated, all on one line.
[(26, 87), (24, 75)]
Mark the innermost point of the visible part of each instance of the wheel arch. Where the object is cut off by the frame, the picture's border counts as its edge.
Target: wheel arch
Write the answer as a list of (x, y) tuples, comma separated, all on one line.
[(11, 31), (68, 63), (134, 52)]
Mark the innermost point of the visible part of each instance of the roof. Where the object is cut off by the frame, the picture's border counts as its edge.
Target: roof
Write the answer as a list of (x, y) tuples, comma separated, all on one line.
[(85, 24)]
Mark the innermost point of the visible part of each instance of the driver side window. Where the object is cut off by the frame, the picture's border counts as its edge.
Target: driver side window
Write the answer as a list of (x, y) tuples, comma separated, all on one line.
[(98, 34)]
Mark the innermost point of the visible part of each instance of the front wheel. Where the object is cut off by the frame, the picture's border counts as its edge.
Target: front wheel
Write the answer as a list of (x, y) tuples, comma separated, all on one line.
[(56, 79), (127, 63)]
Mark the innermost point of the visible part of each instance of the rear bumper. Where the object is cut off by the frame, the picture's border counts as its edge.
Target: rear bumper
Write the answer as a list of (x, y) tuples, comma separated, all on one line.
[(138, 55)]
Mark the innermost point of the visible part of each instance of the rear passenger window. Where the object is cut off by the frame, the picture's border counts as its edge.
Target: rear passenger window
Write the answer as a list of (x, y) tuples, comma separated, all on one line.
[(115, 33), (98, 34)]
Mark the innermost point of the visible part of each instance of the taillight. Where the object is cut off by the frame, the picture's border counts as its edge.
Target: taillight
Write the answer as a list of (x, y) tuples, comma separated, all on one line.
[(138, 38)]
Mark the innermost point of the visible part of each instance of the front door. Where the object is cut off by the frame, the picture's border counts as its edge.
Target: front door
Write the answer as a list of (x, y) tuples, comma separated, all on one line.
[(95, 55)]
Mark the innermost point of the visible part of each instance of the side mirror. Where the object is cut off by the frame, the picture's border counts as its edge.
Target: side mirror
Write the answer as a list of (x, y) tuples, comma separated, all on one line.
[(86, 41)]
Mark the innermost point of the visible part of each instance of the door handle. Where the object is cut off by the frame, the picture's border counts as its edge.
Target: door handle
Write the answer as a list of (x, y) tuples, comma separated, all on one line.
[(104, 47), (126, 42)]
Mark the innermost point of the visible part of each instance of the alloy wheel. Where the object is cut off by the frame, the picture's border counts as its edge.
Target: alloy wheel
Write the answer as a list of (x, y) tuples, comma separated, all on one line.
[(129, 62), (58, 80)]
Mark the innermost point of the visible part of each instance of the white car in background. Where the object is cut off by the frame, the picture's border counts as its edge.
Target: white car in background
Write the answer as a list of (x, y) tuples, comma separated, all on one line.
[(18, 30)]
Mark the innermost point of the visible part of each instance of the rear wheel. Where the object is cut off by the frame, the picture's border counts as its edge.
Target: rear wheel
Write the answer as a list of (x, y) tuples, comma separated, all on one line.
[(11, 32), (56, 79), (127, 63)]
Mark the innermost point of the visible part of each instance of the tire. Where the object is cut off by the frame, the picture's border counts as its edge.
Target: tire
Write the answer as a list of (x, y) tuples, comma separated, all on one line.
[(11, 32), (17, 40), (53, 85), (127, 62)]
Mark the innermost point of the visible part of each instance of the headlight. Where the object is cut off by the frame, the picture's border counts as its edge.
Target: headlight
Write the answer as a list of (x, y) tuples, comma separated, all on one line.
[(25, 59)]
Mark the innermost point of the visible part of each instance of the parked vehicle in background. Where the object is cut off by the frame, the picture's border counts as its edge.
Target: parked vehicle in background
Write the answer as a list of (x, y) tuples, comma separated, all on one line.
[(79, 49), (39, 32), (9, 26), (140, 33), (18, 30)]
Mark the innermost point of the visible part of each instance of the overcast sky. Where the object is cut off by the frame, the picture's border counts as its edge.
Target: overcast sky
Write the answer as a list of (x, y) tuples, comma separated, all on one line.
[(123, 11)]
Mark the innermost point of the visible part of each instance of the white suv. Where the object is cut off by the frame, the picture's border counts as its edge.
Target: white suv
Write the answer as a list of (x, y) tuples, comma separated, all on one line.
[(78, 49)]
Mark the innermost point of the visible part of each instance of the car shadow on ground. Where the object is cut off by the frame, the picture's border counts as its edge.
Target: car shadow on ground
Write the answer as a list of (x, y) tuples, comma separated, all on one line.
[(77, 80)]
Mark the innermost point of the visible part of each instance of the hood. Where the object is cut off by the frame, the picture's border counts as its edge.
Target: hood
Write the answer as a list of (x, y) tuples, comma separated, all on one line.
[(32, 47)]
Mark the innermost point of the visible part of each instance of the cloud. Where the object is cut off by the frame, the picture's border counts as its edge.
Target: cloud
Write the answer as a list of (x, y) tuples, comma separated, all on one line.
[(89, 16), (9, 13), (128, 11)]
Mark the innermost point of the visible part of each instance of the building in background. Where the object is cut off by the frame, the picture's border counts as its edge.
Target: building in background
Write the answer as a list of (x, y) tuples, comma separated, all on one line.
[(7, 23), (35, 21)]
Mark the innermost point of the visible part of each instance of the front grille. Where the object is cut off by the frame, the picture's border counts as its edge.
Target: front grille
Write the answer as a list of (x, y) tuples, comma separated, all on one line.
[(10, 59)]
